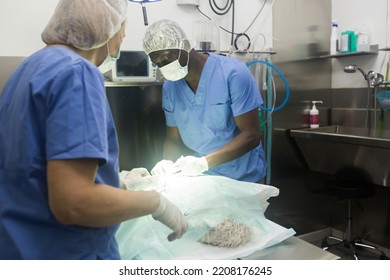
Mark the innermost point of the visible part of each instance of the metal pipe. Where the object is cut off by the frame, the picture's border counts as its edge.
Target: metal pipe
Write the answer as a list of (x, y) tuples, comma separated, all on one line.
[(144, 13), (352, 69)]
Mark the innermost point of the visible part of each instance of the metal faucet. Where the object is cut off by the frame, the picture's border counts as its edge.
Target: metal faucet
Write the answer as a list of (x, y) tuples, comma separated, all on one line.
[(371, 76), (373, 79)]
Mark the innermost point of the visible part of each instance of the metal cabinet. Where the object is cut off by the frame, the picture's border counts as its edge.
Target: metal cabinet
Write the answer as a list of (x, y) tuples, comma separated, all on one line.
[(140, 123)]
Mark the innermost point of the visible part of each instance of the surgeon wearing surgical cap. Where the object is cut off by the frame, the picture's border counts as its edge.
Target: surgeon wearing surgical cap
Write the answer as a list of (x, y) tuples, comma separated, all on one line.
[(61, 196), (211, 105)]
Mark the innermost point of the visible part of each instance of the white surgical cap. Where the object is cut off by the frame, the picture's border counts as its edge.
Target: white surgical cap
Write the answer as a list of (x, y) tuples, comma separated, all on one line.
[(85, 24), (165, 34)]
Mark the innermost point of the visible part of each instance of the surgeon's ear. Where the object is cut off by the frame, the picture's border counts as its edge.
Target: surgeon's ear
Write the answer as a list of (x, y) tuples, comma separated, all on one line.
[(186, 45)]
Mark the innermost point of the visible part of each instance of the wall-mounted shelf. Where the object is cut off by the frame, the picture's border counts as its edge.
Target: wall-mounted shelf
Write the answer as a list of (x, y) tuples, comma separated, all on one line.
[(373, 51)]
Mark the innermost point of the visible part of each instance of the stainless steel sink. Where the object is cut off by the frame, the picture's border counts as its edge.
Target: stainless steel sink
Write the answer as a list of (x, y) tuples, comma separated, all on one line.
[(330, 148), (343, 134)]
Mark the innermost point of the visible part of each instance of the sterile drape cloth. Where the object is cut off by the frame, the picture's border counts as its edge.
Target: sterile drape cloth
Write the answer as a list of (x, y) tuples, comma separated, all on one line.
[(206, 202)]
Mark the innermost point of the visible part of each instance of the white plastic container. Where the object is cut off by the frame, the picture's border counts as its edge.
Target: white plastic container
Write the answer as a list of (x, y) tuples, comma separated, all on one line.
[(315, 115), (363, 40), (334, 38)]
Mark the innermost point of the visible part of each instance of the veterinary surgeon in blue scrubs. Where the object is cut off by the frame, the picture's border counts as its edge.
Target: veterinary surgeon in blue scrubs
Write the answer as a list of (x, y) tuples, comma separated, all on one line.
[(211, 105), (61, 196)]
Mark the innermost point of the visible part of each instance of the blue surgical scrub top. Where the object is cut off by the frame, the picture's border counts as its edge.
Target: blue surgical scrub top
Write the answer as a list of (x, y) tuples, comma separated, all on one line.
[(53, 107), (205, 119)]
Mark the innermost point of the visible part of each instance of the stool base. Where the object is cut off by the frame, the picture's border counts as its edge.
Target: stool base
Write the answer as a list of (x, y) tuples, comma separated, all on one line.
[(352, 245)]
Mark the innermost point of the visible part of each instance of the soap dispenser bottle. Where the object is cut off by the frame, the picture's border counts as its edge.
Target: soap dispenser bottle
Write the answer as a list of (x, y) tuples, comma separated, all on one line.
[(334, 38), (315, 115)]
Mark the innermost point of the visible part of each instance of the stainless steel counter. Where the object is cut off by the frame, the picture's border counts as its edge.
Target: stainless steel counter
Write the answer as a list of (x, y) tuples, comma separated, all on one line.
[(293, 248)]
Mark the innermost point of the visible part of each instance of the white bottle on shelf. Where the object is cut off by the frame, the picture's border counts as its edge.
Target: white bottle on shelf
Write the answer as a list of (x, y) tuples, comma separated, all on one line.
[(334, 38), (315, 115), (363, 40)]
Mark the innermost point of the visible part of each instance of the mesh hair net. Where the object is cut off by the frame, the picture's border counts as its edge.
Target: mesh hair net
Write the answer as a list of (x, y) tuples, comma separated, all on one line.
[(165, 34), (85, 24)]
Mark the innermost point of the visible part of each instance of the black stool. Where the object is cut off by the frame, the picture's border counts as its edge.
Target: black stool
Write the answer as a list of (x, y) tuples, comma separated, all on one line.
[(349, 184)]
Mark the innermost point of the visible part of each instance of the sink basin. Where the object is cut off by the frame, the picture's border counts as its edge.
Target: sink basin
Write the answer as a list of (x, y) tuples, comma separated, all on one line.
[(343, 134), (330, 148)]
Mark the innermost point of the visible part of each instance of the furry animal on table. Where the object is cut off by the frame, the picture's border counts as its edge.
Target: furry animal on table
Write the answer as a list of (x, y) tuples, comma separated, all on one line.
[(228, 233)]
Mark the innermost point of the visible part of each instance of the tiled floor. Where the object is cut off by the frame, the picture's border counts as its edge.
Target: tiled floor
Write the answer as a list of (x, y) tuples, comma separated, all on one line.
[(345, 253)]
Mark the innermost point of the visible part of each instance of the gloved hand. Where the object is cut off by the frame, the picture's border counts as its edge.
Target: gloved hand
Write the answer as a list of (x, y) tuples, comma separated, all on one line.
[(136, 177), (171, 216), (164, 167), (192, 166)]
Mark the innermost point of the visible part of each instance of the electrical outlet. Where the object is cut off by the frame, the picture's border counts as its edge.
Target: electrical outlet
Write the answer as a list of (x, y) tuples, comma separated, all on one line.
[(188, 2)]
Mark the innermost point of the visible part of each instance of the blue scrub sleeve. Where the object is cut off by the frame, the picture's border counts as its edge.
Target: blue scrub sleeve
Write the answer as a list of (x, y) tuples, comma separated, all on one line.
[(77, 117), (244, 92)]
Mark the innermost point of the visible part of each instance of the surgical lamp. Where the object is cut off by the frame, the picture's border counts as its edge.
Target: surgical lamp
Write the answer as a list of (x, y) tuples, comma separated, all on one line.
[(142, 2)]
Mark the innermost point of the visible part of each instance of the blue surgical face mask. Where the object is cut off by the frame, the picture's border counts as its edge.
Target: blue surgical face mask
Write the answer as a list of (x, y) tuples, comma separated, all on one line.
[(109, 62), (174, 71)]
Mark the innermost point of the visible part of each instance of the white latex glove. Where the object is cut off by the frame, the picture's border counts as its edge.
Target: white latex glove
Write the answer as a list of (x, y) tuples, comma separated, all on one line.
[(192, 166), (134, 178), (171, 216), (164, 167)]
